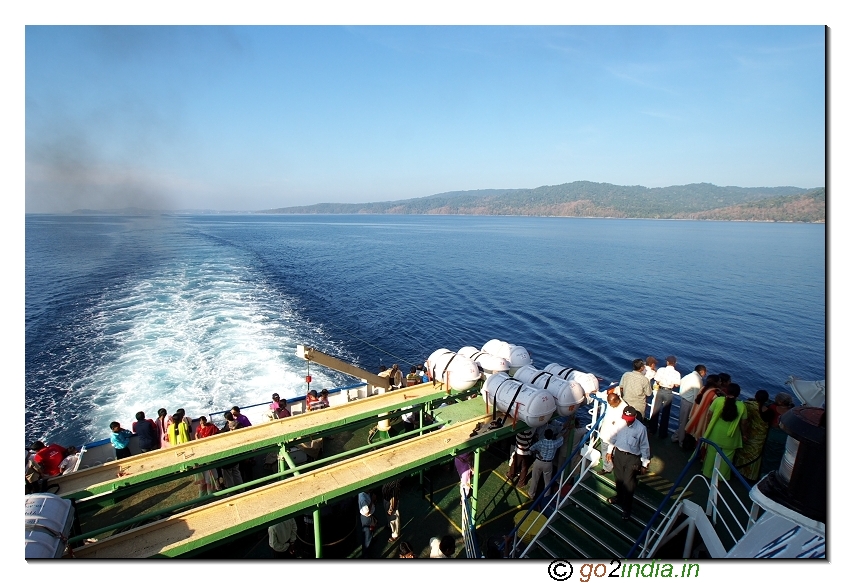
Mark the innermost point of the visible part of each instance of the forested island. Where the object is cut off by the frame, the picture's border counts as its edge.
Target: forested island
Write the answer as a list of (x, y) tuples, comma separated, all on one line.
[(594, 199)]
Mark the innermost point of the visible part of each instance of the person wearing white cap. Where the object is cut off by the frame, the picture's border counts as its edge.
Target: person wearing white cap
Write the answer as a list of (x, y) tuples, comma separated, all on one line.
[(629, 451)]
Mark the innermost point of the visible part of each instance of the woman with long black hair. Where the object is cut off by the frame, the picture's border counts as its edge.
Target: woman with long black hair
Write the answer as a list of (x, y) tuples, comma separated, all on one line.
[(759, 416), (700, 414), (726, 429)]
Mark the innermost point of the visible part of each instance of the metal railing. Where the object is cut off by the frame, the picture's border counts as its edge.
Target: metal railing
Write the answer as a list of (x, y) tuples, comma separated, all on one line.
[(654, 537), (468, 527), (559, 479), (719, 507), (294, 400)]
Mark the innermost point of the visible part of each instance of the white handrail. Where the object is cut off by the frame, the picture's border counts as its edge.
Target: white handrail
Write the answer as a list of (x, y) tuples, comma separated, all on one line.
[(557, 501), (658, 535)]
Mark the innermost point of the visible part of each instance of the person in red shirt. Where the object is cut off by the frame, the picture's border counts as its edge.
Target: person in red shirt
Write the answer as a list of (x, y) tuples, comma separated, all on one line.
[(312, 402), (205, 429), (49, 457), (207, 480)]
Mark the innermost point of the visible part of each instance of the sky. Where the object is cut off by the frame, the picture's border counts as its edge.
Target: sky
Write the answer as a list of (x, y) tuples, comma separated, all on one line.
[(249, 118)]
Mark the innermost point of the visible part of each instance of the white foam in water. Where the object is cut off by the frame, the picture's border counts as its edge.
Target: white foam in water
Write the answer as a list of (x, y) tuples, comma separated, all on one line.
[(204, 338)]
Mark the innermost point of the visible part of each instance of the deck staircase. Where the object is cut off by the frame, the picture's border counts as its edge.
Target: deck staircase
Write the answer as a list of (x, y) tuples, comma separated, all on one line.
[(579, 523), (587, 526)]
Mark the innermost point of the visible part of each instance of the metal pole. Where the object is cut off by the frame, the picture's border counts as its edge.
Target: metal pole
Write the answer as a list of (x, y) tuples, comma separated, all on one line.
[(474, 505), (317, 533), (286, 460)]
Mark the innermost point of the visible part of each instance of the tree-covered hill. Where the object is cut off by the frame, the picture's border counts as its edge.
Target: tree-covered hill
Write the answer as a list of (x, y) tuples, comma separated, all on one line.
[(809, 207), (594, 199)]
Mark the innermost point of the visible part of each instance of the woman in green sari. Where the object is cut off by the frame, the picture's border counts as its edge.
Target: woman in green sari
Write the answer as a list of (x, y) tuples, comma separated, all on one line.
[(748, 458), (728, 421)]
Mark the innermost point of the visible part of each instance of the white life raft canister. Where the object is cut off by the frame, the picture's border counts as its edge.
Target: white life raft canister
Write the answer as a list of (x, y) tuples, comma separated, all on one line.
[(569, 395), (488, 363), (533, 406), (517, 356), (588, 382), (48, 519), (462, 372)]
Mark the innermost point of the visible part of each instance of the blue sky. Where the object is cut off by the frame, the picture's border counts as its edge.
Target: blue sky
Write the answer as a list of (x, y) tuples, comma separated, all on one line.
[(249, 118)]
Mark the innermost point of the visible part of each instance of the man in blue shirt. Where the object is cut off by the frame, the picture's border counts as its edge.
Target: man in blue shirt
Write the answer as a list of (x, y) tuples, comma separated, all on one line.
[(120, 439), (544, 452), (629, 451)]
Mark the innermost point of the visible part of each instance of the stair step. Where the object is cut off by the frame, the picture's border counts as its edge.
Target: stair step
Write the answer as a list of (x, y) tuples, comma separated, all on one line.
[(589, 527), (608, 515), (612, 538), (557, 547), (641, 513), (599, 493), (539, 552), (645, 496), (574, 536), (652, 487)]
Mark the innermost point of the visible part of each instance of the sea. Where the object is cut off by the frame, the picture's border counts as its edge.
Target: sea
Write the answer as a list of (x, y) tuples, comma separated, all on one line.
[(135, 313)]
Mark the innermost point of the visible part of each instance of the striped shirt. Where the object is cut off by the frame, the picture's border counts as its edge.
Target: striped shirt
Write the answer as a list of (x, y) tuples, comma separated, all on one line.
[(523, 442)]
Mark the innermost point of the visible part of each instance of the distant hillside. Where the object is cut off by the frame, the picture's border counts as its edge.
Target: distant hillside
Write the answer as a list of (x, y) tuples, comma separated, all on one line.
[(594, 199), (802, 208)]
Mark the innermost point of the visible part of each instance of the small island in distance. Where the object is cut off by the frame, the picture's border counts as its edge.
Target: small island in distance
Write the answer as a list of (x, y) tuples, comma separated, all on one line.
[(602, 200)]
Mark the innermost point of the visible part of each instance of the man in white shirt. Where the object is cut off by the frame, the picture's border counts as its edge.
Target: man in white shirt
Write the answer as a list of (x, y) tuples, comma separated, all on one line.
[(69, 464), (611, 424), (666, 380), (282, 538), (689, 387)]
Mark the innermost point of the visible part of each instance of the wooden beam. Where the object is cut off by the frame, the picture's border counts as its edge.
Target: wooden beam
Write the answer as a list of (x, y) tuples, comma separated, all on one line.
[(313, 355)]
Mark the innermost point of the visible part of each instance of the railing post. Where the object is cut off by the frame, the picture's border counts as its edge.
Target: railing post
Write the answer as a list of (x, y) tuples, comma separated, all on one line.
[(715, 486), (474, 504), (689, 539), (284, 454), (317, 532), (754, 514)]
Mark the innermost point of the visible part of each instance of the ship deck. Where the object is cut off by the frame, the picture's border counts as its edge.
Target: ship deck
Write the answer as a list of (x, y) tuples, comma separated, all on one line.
[(430, 505)]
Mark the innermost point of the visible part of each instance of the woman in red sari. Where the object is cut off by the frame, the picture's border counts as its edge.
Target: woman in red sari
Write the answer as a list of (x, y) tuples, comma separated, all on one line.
[(699, 417)]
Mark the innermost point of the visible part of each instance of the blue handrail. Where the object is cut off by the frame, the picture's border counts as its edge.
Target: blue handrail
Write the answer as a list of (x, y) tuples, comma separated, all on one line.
[(679, 480)]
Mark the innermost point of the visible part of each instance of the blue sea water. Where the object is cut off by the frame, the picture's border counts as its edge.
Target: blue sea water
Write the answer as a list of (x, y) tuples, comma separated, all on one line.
[(205, 311)]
